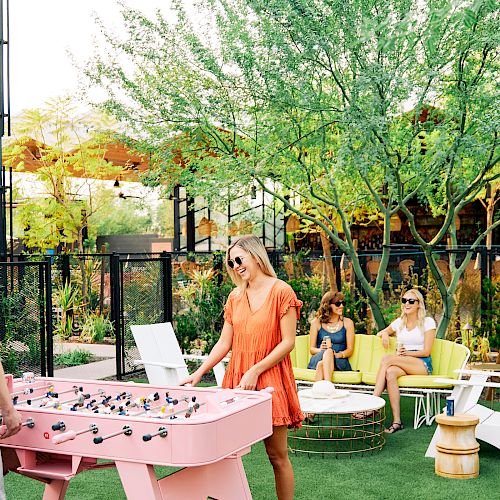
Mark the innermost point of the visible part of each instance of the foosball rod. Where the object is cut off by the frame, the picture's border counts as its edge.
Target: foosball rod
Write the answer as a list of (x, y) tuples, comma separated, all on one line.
[(127, 430), (178, 412), (47, 395), (182, 398), (30, 390), (70, 435), (28, 423), (100, 392)]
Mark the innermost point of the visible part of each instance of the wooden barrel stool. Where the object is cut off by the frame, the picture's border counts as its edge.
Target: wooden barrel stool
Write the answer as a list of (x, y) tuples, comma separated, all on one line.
[(457, 448)]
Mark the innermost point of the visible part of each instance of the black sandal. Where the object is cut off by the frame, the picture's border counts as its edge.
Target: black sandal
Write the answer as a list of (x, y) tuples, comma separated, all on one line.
[(362, 415), (309, 418), (395, 427)]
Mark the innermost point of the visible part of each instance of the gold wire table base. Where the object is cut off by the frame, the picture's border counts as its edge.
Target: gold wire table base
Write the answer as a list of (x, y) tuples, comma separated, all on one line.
[(340, 434)]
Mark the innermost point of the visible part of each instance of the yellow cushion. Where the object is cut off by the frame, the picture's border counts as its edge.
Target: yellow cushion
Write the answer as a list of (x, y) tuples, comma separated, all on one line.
[(341, 377), (338, 376), (422, 381), (304, 374), (369, 378)]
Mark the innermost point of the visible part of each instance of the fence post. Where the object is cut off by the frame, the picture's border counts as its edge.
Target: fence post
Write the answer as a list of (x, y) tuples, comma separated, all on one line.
[(218, 267), (166, 282), (115, 286), (48, 330), (65, 269)]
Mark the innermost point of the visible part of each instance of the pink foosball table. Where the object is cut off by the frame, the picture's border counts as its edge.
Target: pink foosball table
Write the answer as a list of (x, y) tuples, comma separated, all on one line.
[(74, 423)]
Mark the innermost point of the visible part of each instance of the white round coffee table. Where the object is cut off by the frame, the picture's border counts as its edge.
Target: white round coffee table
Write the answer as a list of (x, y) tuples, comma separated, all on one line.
[(352, 423)]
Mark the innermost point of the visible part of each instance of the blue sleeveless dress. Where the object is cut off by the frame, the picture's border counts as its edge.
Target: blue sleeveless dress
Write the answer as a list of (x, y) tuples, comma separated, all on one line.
[(339, 343)]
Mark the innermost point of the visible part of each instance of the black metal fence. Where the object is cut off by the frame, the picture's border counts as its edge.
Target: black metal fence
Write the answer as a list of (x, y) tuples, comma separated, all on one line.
[(140, 289), (26, 317)]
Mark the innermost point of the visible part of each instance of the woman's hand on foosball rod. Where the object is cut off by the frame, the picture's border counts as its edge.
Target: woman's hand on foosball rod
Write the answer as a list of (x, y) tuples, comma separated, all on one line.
[(193, 379), (11, 423)]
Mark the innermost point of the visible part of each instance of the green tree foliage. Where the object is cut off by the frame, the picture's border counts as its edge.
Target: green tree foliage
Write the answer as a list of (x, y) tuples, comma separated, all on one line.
[(354, 108), (68, 151)]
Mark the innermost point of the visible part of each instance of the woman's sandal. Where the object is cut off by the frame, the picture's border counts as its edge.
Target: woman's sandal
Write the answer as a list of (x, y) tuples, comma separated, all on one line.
[(362, 415), (309, 418), (395, 427)]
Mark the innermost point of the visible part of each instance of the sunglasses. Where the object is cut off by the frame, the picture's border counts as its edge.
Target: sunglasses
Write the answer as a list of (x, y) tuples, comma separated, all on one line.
[(410, 301), (338, 303), (237, 261)]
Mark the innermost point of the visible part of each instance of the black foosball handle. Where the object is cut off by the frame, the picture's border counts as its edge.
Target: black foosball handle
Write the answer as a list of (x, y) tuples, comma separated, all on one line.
[(162, 432), (60, 426)]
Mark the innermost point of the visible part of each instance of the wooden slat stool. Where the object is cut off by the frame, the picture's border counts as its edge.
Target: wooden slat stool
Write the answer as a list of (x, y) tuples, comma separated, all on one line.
[(457, 448)]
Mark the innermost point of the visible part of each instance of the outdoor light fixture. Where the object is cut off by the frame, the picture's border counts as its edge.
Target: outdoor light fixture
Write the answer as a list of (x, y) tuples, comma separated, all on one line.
[(253, 192)]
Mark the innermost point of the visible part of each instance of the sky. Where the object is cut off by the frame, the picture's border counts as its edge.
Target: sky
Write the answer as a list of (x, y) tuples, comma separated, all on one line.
[(41, 34)]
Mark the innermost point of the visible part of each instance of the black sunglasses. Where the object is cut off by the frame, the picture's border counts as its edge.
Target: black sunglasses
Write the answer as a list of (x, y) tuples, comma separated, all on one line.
[(237, 260), (410, 301), (338, 303)]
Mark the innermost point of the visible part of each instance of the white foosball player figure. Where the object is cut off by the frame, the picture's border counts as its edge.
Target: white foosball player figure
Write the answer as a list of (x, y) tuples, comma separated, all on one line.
[(192, 407)]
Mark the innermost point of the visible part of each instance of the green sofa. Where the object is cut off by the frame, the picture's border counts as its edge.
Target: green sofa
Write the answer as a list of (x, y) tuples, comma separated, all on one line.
[(447, 357)]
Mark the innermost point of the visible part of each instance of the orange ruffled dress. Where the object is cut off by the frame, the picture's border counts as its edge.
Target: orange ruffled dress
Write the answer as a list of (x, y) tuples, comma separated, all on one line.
[(255, 335)]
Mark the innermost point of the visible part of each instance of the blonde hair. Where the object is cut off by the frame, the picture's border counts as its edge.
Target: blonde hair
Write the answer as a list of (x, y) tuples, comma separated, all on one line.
[(324, 309), (421, 309), (253, 246)]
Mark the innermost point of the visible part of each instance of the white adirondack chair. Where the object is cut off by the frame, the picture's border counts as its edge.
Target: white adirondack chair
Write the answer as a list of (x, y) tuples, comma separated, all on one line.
[(162, 357), (466, 395)]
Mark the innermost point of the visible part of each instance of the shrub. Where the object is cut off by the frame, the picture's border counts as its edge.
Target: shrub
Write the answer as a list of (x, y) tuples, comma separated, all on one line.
[(95, 328), (73, 358)]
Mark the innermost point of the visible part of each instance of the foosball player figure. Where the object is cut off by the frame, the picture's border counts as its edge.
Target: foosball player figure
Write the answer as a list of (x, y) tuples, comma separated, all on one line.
[(192, 406), (138, 402), (152, 397), (171, 402)]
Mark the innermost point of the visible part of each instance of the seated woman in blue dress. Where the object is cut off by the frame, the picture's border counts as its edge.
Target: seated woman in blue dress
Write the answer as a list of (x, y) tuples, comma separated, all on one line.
[(331, 337)]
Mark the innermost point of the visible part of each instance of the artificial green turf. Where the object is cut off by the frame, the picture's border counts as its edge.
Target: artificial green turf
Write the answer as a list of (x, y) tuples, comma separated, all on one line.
[(400, 470)]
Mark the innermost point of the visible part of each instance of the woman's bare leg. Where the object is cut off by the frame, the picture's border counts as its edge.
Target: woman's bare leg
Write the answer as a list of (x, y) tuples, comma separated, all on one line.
[(277, 451), (319, 371), (392, 375), (328, 365), (380, 381), (399, 366)]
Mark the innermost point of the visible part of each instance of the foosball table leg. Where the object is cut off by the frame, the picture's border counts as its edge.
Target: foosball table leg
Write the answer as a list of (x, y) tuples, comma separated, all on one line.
[(138, 480), (55, 490), (224, 480)]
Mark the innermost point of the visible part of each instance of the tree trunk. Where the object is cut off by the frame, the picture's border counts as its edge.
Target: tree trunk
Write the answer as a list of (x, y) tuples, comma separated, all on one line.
[(327, 252)]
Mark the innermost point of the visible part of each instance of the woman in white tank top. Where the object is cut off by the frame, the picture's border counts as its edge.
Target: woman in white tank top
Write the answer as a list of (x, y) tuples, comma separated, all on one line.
[(415, 334)]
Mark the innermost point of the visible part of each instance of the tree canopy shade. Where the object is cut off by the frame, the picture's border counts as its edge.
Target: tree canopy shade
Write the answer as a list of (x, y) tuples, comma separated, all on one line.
[(352, 106)]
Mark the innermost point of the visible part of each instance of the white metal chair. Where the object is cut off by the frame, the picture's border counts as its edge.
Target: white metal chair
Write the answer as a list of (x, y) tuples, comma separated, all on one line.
[(466, 395), (162, 357)]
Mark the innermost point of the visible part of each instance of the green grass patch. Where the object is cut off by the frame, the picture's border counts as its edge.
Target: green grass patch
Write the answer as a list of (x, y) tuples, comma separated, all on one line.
[(399, 470)]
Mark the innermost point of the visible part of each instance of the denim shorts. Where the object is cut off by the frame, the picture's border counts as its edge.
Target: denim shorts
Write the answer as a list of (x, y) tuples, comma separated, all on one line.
[(428, 364)]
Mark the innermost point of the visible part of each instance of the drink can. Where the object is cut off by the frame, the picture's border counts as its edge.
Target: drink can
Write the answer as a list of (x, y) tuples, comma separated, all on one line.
[(28, 377), (450, 406)]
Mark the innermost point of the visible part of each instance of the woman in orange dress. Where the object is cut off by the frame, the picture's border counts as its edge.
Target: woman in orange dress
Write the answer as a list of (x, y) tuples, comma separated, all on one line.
[(260, 322)]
